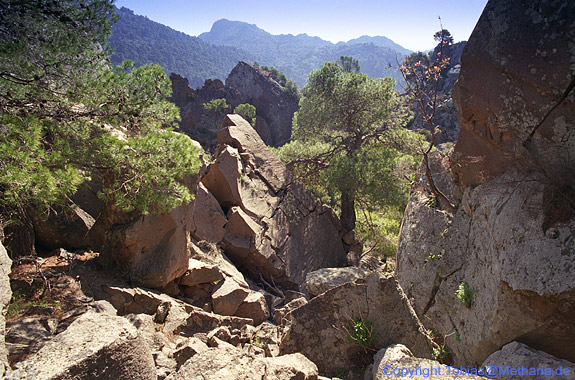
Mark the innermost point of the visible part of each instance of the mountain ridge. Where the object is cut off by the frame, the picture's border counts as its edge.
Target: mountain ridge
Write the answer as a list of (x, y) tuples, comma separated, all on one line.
[(297, 55), (213, 54)]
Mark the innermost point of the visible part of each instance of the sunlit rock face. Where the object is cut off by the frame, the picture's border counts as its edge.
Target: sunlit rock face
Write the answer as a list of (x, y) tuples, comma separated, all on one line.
[(512, 176)]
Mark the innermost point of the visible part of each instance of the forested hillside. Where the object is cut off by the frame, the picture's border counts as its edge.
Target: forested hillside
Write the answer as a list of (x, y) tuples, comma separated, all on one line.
[(144, 41), (214, 54), (297, 56)]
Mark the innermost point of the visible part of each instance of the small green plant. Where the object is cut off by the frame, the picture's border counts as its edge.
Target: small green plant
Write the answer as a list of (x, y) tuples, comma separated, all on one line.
[(431, 203), (433, 256), (464, 294), (19, 304), (441, 353), (360, 331)]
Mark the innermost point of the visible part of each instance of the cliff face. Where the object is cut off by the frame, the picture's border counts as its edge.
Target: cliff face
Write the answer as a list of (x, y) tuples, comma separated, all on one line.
[(512, 176), (515, 93), (245, 84)]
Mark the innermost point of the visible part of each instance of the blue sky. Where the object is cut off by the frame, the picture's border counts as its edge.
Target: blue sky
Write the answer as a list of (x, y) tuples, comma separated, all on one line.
[(409, 23)]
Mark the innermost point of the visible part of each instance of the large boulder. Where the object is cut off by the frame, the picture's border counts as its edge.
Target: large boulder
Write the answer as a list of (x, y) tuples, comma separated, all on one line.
[(275, 228), (502, 267), (397, 362), (527, 363), (154, 249), (516, 102), (208, 217), (522, 278), (321, 329), (94, 346), (230, 363)]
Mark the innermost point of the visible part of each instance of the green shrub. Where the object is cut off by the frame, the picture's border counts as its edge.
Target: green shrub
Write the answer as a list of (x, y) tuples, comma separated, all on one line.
[(216, 106), (360, 331), (464, 294)]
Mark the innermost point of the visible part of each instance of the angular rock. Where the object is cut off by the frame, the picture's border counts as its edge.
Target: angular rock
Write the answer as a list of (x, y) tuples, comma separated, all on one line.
[(540, 364), (255, 307), (228, 297), (94, 346), (154, 249), (187, 349), (200, 273), (223, 333), (129, 300), (321, 329), (216, 364), (146, 327), (208, 217), (280, 314), (270, 215), (322, 280), (268, 337), (211, 254), (397, 362), (223, 178), (198, 321), (5, 296)]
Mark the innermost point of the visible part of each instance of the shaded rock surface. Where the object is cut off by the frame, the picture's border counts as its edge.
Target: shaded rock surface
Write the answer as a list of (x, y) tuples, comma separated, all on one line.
[(518, 355), (516, 101), (511, 240), (67, 229), (320, 328)]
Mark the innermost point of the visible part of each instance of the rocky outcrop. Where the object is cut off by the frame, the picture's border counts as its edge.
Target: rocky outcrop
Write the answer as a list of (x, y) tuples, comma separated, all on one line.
[(320, 329), (529, 362), (245, 84), (502, 268), (516, 101), (273, 105), (94, 346), (275, 228)]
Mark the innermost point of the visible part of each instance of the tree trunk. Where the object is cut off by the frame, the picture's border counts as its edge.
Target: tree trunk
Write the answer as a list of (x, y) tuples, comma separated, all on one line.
[(347, 211)]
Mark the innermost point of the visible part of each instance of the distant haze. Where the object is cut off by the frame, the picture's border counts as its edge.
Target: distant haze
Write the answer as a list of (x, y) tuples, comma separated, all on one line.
[(408, 23)]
